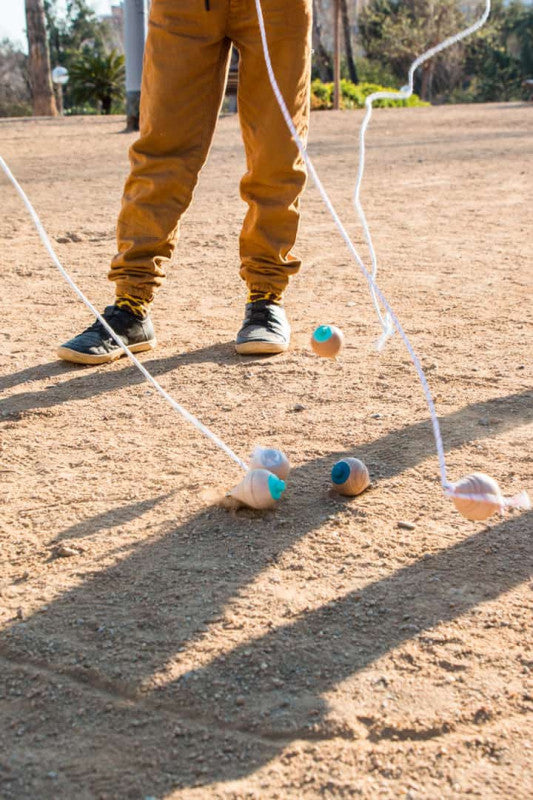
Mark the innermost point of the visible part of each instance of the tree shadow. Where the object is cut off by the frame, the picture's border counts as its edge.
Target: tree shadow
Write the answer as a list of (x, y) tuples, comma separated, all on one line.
[(409, 444), (112, 638), (458, 140), (328, 645), (110, 519)]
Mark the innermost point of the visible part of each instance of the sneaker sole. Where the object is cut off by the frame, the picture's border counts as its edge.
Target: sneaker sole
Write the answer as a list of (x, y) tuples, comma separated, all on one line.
[(261, 348), (86, 358)]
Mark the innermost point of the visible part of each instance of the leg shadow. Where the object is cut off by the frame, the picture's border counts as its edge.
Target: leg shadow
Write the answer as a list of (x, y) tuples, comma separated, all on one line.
[(100, 646), (93, 381)]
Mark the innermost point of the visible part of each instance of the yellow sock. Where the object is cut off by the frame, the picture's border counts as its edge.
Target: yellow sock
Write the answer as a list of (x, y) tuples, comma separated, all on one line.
[(260, 294), (135, 305)]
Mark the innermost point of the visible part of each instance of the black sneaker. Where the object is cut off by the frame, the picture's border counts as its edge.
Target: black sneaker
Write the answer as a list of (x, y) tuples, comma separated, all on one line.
[(95, 345), (265, 329)]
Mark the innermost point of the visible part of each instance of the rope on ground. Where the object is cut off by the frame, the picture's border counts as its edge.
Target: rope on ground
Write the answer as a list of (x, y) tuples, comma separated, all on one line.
[(402, 94), (164, 394), (391, 321)]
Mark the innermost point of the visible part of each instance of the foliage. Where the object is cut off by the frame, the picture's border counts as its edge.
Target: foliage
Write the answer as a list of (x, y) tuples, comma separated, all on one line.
[(77, 35), (97, 79), (395, 33), (500, 58), (491, 65), (374, 72), (321, 95), (79, 30), (15, 93), (84, 110), (367, 71), (519, 29), (354, 95)]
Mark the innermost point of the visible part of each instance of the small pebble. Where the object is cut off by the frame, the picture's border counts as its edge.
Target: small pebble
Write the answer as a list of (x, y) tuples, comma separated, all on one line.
[(298, 407), (64, 551), (407, 526)]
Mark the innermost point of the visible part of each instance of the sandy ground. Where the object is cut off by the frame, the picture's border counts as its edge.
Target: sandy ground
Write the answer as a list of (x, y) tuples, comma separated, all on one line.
[(179, 649)]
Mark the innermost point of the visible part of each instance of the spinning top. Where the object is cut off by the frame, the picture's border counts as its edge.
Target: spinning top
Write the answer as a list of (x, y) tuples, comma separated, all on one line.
[(350, 477), (482, 496), (258, 489), (273, 460), (327, 341)]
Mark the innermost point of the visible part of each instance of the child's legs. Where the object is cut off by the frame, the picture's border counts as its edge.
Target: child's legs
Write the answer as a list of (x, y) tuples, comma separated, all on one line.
[(276, 175), (183, 83)]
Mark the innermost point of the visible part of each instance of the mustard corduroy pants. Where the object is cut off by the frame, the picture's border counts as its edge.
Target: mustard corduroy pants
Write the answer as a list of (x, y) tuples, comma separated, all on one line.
[(184, 77)]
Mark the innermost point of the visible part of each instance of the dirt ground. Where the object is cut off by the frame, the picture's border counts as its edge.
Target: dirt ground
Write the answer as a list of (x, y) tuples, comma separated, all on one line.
[(154, 643)]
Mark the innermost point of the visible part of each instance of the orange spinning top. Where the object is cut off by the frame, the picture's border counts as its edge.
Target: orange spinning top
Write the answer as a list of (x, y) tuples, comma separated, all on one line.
[(350, 477), (327, 341), (482, 496), (258, 489)]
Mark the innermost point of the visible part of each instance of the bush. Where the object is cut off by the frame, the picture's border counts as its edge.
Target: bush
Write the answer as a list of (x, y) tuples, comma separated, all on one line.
[(82, 110), (15, 109), (369, 71), (354, 95), (321, 94), (97, 80)]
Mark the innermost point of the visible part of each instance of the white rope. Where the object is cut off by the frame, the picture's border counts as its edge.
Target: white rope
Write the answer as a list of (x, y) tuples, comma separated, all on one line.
[(391, 321), (402, 94), (176, 406), (521, 500), (370, 280)]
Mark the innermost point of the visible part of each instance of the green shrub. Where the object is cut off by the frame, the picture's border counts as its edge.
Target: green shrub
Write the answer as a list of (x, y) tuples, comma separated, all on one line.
[(354, 95), (321, 94), (97, 79), (15, 109), (82, 110), (369, 71)]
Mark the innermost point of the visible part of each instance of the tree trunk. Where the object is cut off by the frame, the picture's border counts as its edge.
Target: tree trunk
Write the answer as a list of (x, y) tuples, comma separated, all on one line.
[(336, 56), (44, 104), (352, 70), (427, 81), (322, 58)]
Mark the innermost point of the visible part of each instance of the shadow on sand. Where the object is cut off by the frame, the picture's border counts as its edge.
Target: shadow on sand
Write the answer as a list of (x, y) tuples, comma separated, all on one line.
[(102, 722)]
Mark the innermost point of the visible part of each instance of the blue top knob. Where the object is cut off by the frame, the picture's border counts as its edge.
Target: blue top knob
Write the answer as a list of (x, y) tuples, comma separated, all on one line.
[(323, 333), (276, 486), (340, 472)]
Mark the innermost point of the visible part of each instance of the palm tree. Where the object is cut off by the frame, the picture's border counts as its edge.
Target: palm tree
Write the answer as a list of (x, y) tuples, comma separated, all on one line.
[(97, 79), (44, 104)]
